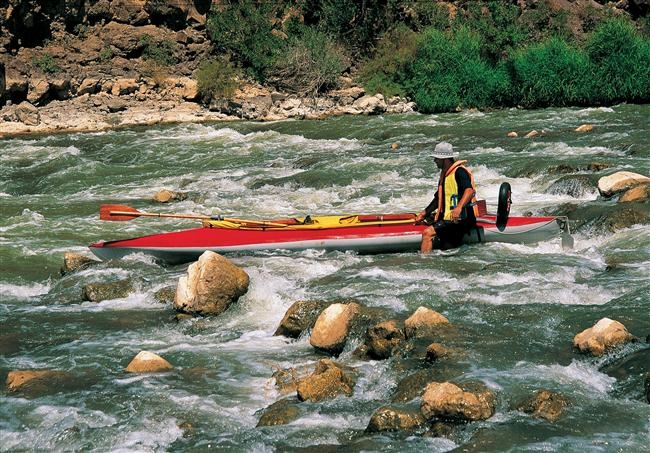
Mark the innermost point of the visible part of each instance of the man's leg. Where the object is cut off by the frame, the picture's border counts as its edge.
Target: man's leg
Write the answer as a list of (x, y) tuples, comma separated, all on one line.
[(427, 239)]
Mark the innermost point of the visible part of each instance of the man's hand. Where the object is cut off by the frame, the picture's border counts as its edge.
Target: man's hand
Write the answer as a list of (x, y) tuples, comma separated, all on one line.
[(456, 213), (420, 217)]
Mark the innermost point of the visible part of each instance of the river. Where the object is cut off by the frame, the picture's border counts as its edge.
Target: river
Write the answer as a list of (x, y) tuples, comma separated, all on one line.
[(517, 307)]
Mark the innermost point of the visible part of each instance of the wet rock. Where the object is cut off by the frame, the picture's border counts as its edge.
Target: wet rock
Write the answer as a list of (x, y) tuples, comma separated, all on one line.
[(575, 186), (445, 400), (604, 335), (598, 166), (413, 385), (328, 381), (512, 134), (287, 380), (436, 351), (300, 317), (646, 385), (584, 128), (423, 322), (331, 329), (393, 419), (620, 182), (165, 295), (166, 195), (640, 193), (27, 114), (97, 292), (36, 382), (545, 404), (281, 412), (148, 362), (75, 261), (532, 134), (211, 285), (383, 338)]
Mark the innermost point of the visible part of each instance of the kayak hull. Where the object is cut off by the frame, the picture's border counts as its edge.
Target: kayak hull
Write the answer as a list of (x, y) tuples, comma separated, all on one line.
[(188, 245)]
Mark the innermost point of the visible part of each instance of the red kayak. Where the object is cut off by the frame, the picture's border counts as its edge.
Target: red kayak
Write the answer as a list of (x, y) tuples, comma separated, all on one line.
[(376, 233)]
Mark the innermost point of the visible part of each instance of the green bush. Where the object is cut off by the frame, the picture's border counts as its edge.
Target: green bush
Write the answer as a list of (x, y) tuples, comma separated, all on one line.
[(47, 64), (550, 74), (620, 63), (312, 62), (217, 79), (244, 29), (387, 71), (161, 52), (448, 73)]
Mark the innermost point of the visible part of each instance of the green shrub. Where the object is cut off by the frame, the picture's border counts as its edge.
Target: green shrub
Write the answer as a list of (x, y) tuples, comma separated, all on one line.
[(448, 73), (550, 74), (497, 25), (312, 62), (161, 52), (387, 71), (47, 64), (620, 63), (217, 79), (244, 29)]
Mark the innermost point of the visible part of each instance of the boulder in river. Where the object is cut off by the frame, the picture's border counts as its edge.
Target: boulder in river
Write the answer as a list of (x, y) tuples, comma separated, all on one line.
[(423, 322), (166, 195), (328, 381), (620, 182), (300, 317), (604, 335), (75, 261), (148, 362), (446, 400), (639, 193), (211, 285), (383, 338), (330, 332), (546, 405)]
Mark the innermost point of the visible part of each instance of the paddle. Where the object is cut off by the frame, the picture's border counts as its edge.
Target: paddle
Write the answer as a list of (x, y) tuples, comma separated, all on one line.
[(123, 213)]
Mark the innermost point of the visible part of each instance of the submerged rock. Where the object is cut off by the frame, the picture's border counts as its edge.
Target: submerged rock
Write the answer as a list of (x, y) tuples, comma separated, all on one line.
[(281, 412), (97, 292), (211, 285), (393, 419), (545, 404), (605, 334), (37, 382)]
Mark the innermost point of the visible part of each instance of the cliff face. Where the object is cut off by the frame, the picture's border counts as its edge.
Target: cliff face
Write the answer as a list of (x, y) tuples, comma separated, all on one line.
[(51, 49)]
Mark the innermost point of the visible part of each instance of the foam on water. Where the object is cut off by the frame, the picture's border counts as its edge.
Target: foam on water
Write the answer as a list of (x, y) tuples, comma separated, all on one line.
[(23, 292), (581, 376)]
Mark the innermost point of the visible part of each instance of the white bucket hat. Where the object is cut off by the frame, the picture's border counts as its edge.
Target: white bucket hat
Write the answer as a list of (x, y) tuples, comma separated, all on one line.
[(444, 150)]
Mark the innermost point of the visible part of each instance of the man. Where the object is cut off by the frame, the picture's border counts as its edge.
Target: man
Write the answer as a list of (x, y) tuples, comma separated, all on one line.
[(453, 203)]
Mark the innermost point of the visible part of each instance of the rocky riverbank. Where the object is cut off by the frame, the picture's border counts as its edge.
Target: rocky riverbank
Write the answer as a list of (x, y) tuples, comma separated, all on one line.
[(119, 64)]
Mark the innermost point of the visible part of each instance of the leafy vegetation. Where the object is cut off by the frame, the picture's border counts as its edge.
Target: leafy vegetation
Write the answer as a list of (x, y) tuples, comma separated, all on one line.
[(160, 52), (444, 56), (47, 64), (217, 79)]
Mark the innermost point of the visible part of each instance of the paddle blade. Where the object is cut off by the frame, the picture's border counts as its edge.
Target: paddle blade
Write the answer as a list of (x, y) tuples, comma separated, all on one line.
[(117, 212)]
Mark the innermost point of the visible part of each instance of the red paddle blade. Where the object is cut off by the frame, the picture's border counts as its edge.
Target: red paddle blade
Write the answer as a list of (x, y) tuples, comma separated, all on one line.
[(117, 212)]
